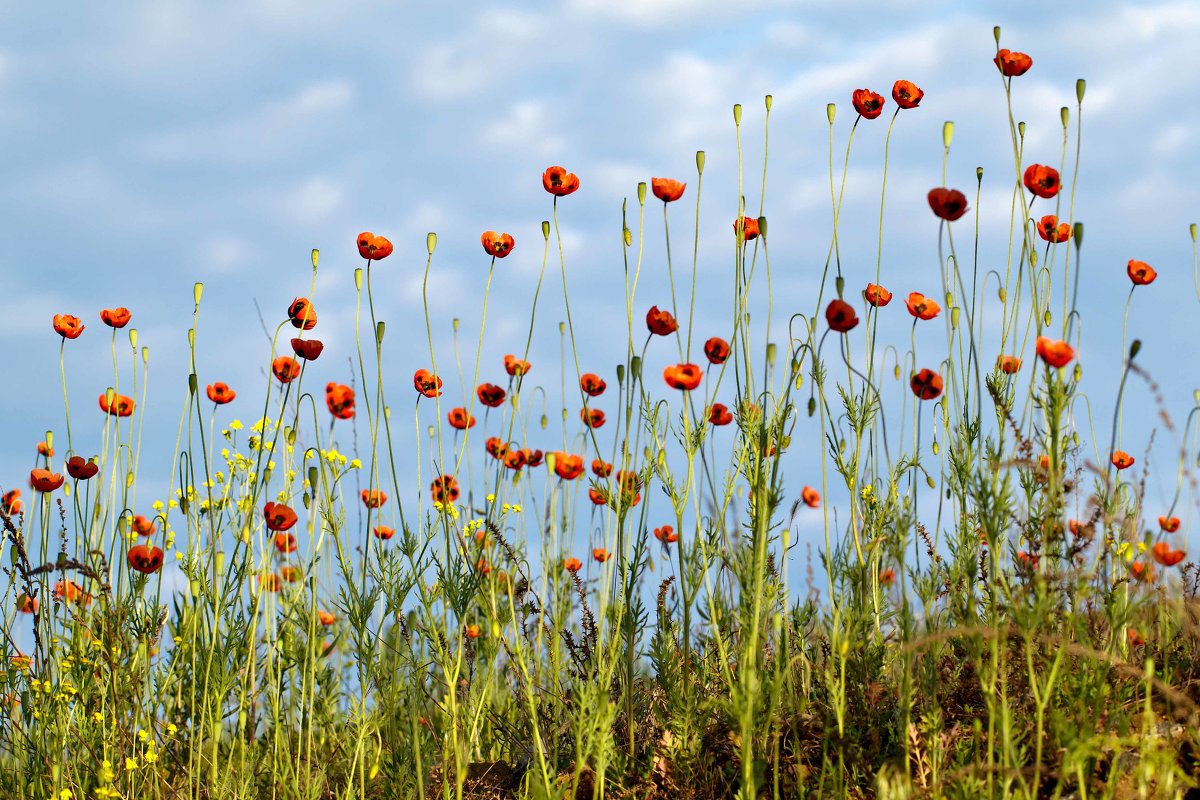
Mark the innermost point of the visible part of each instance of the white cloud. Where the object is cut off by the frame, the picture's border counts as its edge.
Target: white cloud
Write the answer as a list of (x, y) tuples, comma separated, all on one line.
[(314, 200), (271, 132), (526, 127), (500, 43)]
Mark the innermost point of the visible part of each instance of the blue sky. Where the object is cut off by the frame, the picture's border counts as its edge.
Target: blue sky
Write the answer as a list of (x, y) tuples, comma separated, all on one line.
[(149, 146)]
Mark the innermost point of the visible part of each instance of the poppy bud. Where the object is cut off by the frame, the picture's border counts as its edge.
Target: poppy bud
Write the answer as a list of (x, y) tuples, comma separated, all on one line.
[(50, 440), (996, 34), (1078, 234), (762, 226), (198, 292), (312, 477), (979, 174), (935, 447), (546, 229), (842, 447), (947, 133), (1046, 318), (1078, 372), (191, 334), (812, 406), (635, 367), (545, 421), (316, 255), (564, 415), (133, 338), (954, 317), (1080, 88), (771, 351), (1021, 129), (831, 111), (840, 283), (358, 278), (219, 562), (767, 102), (1002, 293), (192, 383), (1065, 114), (562, 328), (929, 482), (896, 371), (620, 373), (700, 161), (1134, 349), (306, 499), (379, 332), (641, 191), (430, 242), (628, 234), (430, 430), (737, 113)]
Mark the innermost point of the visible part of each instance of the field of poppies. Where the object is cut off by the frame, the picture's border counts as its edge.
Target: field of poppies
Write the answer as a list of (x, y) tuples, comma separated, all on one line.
[(618, 603)]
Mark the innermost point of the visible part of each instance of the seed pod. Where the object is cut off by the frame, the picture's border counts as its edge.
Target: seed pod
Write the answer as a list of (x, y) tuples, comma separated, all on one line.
[(1134, 349), (979, 174), (635, 368), (313, 475), (379, 326), (430, 242), (840, 283), (1078, 372), (831, 112), (762, 227), (947, 133), (954, 317), (737, 114), (133, 337), (306, 498), (771, 351), (641, 192), (935, 447), (1021, 129), (546, 229), (1002, 293), (358, 273), (929, 482), (1064, 114), (316, 255), (996, 34), (1080, 88), (700, 161), (1046, 318), (628, 236), (620, 373), (767, 101), (198, 292), (812, 405), (545, 421)]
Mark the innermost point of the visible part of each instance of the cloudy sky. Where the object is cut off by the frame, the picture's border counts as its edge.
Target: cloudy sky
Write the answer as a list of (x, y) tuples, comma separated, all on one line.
[(149, 146)]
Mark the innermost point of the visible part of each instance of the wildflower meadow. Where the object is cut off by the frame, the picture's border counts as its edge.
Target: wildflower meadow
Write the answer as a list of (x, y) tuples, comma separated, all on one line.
[(875, 540)]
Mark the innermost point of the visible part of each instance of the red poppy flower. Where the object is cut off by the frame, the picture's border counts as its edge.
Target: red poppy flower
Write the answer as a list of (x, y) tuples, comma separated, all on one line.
[(444, 488), (115, 317), (1009, 365), (1142, 571), (286, 543), (460, 419), (926, 384), (720, 414), (1054, 352), (907, 94), (684, 377), (143, 526), (1053, 231), (10, 502), (666, 189), (1042, 180), (43, 480), (285, 368), (597, 496), (1169, 524), (921, 306), (497, 245), (121, 405), (279, 517), (339, 399), (1026, 561), (660, 323), (748, 227), (876, 295), (887, 576), (428, 384), (81, 469), (1141, 273), (811, 497), (45, 450), (867, 103), (372, 247), (666, 534), (601, 469), (72, 592), (947, 204), (308, 349), (220, 393), (383, 532), (1164, 555), (1079, 529), (558, 182), (1135, 638), (1122, 460), (572, 564), (145, 558), (302, 314), (374, 498), (515, 366), (269, 582), (601, 555), (514, 458), (533, 458), (592, 417), (27, 604), (1012, 63), (68, 326), (716, 350), (568, 466), (490, 394), (592, 384), (496, 447), (290, 573), (840, 316)]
